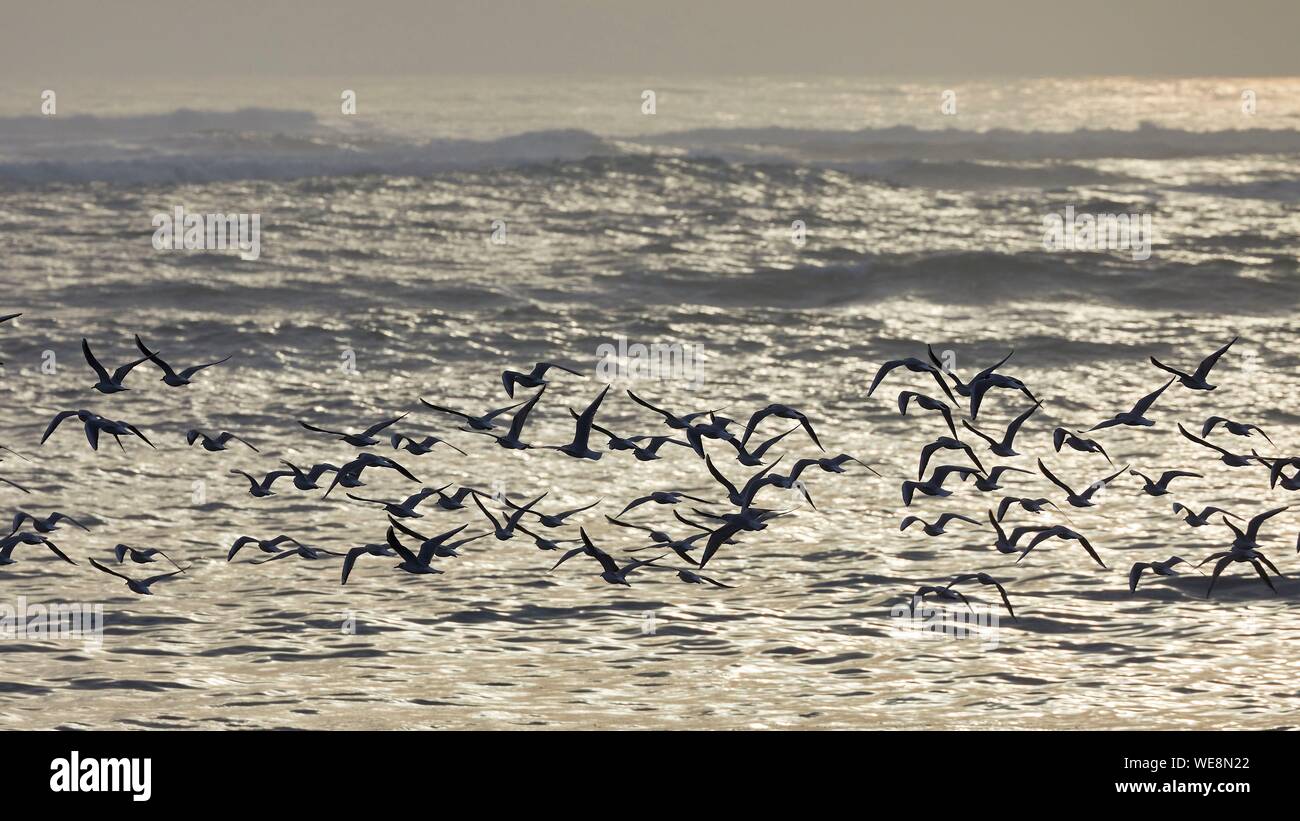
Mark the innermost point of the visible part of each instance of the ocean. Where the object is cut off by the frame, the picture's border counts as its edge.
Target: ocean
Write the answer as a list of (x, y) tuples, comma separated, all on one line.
[(774, 240)]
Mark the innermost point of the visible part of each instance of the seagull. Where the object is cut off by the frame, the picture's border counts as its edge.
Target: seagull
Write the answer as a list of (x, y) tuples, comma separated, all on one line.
[(610, 571), (934, 485), (441, 548), (695, 578), (422, 447), (310, 479), (511, 438), (1061, 436), (915, 366), (780, 412), (1250, 538), (47, 525), (1061, 532), (979, 387), (754, 458), (405, 509), (95, 424), (8, 543), (1236, 428), (106, 383), (1007, 544), (657, 536), (682, 547), (672, 420), (1165, 568), (946, 443), (1228, 458), (216, 443), (349, 475), (542, 542), (715, 428), (791, 481), (1028, 505), (1196, 381), (1079, 499), (264, 545), (140, 586), (411, 562), (171, 377), (360, 440), (8, 317), (456, 501), (556, 519), (1004, 448), (929, 404), (578, 448), (830, 464), (937, 528), (647, 453), (1275, 468), (301, 551), (484, 422), (948, 594), (1135, 417), (662, 497), (262, 489), (505, 531), (1248, 555), (989, 482), (532, 379), (1200, 519), (1160, 487), (965, 389), (740, 498), (139, 555)]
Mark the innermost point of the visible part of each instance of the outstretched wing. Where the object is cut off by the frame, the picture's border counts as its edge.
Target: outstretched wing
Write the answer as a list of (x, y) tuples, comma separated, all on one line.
[(1203, 370)]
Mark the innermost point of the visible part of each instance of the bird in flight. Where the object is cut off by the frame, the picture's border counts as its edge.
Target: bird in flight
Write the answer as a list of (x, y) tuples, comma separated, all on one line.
[(1003, 447), (140, 586), (610, 571), (108, 383), (1137, 416), (1079, 499), (928, 403), (1235, 428), (1065, 533), (1159, 487), (1196, 380), (1227, 457), (360, 440), (215, 443), (532, 379), (1062, 437), (937, 528), (171, 377), (1165, 568), (948, 594)]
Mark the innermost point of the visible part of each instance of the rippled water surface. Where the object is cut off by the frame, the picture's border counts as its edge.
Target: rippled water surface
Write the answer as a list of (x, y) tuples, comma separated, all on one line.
[(376, 247)]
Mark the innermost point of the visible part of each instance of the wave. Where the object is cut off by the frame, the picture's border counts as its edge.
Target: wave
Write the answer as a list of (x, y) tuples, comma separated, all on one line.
[(256, 143), (986, 278)]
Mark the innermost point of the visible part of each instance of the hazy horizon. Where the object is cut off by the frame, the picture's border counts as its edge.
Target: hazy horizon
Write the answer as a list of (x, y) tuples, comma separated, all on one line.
[(762, 37)]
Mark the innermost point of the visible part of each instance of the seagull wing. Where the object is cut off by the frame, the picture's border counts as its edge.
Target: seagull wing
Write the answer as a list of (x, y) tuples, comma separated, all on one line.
[(1203, 370)]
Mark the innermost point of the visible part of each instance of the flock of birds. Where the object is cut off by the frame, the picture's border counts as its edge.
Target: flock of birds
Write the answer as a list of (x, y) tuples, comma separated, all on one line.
[(716, 519)]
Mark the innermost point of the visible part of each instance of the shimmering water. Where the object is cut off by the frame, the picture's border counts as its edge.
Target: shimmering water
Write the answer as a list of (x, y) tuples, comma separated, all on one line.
[(671, 228)]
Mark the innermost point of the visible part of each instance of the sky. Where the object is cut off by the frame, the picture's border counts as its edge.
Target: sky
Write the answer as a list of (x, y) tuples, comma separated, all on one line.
[(925, 38)]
